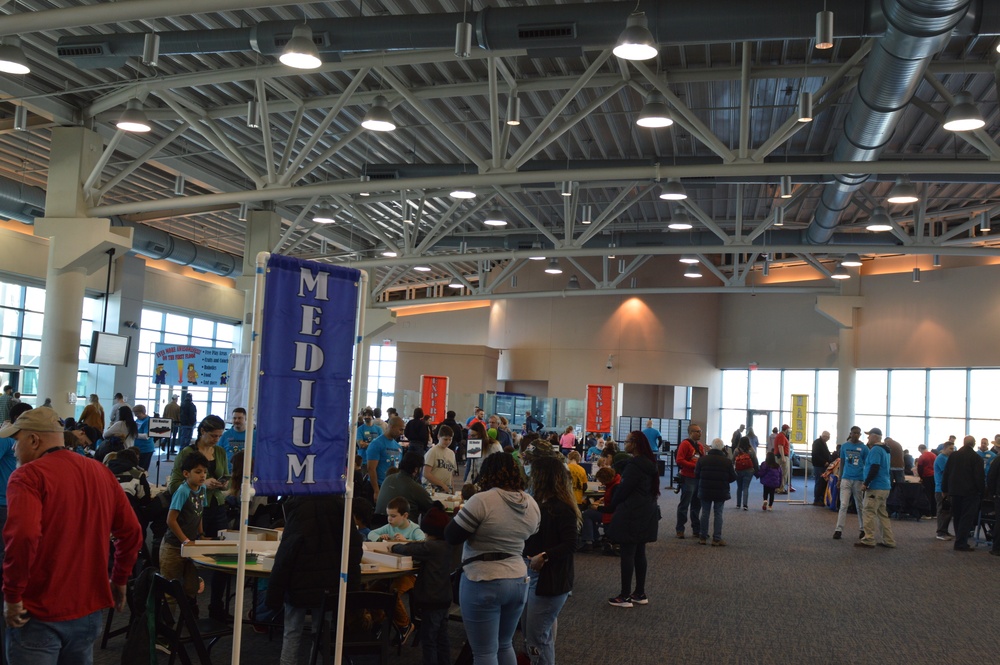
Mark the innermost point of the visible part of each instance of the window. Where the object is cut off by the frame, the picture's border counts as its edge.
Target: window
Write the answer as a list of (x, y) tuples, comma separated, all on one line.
[(381, 387), (770, 391)]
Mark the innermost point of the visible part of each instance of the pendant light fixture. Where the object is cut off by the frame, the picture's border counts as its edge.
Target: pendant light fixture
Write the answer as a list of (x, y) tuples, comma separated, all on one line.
[(840, 272), (389, 253), (903, 191), (688, 258), (654, 113), (693, 270), (495, 217), (916, 275), (936, 261), (456, 284), (151, 49), (554, 268), (786, 186), (323, 214), (179, 185), (636, 41), (21, 118), (805, 106), (133, 118), (243, 212), (824, 29), (567, 189), (12, 58), (463, 39), (673, 190), (573, 284), (880, 220), (300, 52), (680, 222), (767, 266), (585, 219), (964, 115), (462, 193), (513, 111), (253, 114), (422, 268), (779, 216), (851, 260), (379, 117)]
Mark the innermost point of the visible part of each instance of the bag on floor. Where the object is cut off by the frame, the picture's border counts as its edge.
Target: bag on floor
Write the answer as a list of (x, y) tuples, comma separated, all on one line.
[(832, 492)]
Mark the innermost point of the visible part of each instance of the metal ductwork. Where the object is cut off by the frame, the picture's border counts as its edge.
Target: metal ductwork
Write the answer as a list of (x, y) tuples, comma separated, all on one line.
[(547, 30), (24, 203), (916, 31)]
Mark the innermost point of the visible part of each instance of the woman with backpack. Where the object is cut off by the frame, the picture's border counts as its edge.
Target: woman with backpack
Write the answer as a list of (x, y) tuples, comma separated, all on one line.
[(745, 461)]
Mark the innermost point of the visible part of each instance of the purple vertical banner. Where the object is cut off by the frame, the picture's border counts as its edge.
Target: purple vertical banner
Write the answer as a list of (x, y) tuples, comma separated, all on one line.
[(304, 395)]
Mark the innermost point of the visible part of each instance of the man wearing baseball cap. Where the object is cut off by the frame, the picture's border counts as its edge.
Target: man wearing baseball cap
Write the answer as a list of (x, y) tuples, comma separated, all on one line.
[(62, 509), (876, 486)]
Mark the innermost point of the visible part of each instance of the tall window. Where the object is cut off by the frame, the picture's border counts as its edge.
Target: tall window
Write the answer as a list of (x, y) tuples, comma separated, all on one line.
[(160, 327), (381, 375)]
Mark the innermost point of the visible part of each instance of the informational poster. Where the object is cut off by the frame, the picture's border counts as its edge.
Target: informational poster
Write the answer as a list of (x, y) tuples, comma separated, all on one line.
[(434, 396), (599, 408), (180, 365), (308, 336), (800, 419), (159, 428)]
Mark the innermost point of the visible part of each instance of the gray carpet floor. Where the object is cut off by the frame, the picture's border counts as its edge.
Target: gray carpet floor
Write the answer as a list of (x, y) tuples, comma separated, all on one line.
[(782, 591)]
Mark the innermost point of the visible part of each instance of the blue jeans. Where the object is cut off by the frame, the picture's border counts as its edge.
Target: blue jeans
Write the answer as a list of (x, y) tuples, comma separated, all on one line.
[(540, 620), (689, 498), (434, 636), (706, 507), (490, 611), (295, 619), (49, 643), (592, 521), (743, 480)]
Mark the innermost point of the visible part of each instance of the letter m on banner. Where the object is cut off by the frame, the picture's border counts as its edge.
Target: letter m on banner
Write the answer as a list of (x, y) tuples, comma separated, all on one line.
[(304, 392)]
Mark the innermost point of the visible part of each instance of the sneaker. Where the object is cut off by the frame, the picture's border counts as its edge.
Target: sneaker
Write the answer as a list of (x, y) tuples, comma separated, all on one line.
[(162, 646), (620, 601), (926, 517), (703, 541), (639, 599), (744, 507), (404, 633), (861, 534), (792, 489), (718, 543), (946, 536), (764, 507), (680, 535), (965, 548), (836, 535)]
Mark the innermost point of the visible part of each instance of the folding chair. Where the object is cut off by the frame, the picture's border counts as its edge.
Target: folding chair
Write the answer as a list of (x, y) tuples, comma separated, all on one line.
[(987, 523), (202, 634)]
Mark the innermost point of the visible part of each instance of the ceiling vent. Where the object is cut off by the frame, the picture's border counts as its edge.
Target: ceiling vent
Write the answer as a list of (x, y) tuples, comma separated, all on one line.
[(547, 31)]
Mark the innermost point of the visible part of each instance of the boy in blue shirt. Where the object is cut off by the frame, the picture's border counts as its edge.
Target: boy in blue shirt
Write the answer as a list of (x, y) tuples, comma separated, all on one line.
[(143, 443), (852, 466), (399, 529), (184, 523), (877, 483)]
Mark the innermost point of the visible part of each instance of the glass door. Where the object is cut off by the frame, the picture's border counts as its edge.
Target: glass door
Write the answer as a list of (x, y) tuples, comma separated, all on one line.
[(760, 423)]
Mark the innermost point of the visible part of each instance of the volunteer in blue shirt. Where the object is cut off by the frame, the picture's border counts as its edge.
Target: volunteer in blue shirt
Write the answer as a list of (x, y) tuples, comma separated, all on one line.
[(852, 467), (368, 431), (943, 507), (384, 452), (877, 483), (143, 443), (234, 439), (653, 435)]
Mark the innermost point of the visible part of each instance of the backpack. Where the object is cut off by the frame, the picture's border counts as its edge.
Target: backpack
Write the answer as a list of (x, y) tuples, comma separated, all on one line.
[(743, 462)]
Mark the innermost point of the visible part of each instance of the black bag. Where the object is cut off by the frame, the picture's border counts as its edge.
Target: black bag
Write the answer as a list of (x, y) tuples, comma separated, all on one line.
[(456, 575)]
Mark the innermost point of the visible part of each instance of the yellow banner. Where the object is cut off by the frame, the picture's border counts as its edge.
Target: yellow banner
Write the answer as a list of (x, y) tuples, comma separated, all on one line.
[(800, 418)]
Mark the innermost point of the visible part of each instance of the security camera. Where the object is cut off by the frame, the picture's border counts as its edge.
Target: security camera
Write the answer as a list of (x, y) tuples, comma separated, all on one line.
[(609, 365)]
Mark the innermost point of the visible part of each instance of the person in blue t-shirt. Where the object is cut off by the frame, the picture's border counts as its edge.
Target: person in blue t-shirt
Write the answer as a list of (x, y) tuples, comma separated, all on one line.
[(368, 431), (852, 467), (877, 483), (234, 439), (943, 507), (987, 454), (653, 435), (143, 444), (383, 453)]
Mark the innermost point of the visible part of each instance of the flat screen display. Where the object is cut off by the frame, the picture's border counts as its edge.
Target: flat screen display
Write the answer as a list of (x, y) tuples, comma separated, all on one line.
[(108, 349)]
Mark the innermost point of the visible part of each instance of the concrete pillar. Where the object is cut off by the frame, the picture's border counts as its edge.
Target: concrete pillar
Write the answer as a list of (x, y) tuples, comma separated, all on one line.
[(78, 246), (263, 233), (124, 315), (843, 311)]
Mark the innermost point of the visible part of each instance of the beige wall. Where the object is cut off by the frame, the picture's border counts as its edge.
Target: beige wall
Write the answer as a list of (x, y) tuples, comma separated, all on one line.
[(470, 369)]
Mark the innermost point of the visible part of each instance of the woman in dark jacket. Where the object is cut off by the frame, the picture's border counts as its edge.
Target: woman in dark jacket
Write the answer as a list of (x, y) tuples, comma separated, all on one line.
[(549, 556), (416, 432), (307, 565), (636, 517), (713, 473)]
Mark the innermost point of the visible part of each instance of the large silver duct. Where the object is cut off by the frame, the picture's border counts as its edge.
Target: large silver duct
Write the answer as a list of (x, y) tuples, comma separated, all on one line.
[(916, 31), (24, 203), (542, 30)]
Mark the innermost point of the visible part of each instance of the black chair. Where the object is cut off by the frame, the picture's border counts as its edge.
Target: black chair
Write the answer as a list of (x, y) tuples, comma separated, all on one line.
[(188, 629), (373, 641), (986, 526)]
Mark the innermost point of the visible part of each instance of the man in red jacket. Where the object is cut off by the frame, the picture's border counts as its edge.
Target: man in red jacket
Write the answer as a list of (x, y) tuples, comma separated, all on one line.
[(62, 509), (688, 453), (925, 469), (782, 454)]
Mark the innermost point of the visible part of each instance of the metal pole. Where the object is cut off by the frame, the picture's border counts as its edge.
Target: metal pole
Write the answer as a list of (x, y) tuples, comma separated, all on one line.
[(246, 488)]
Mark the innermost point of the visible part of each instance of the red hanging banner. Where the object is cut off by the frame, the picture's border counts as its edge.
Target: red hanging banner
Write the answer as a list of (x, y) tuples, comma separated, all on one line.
[(599, 400), (434, 396)]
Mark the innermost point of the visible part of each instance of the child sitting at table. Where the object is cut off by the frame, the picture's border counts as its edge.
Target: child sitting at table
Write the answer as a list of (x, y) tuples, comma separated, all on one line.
[(184, 524), (399, 529), (593, 518), (362, 511), (432, 591)]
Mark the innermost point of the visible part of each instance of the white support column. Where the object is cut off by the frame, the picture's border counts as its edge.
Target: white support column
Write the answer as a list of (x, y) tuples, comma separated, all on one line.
[(263, 232), (78, 246), (843, 311)]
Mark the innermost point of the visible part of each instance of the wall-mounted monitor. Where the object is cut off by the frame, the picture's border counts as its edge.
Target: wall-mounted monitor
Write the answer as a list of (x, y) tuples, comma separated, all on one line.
[(108, 349)]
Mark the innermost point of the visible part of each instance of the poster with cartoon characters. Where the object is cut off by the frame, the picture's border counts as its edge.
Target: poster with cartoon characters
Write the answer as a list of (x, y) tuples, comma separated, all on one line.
[(180, 365)]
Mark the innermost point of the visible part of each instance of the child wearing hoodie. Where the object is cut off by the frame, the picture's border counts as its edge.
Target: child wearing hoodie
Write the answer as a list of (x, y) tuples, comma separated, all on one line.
[(769, 475)]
